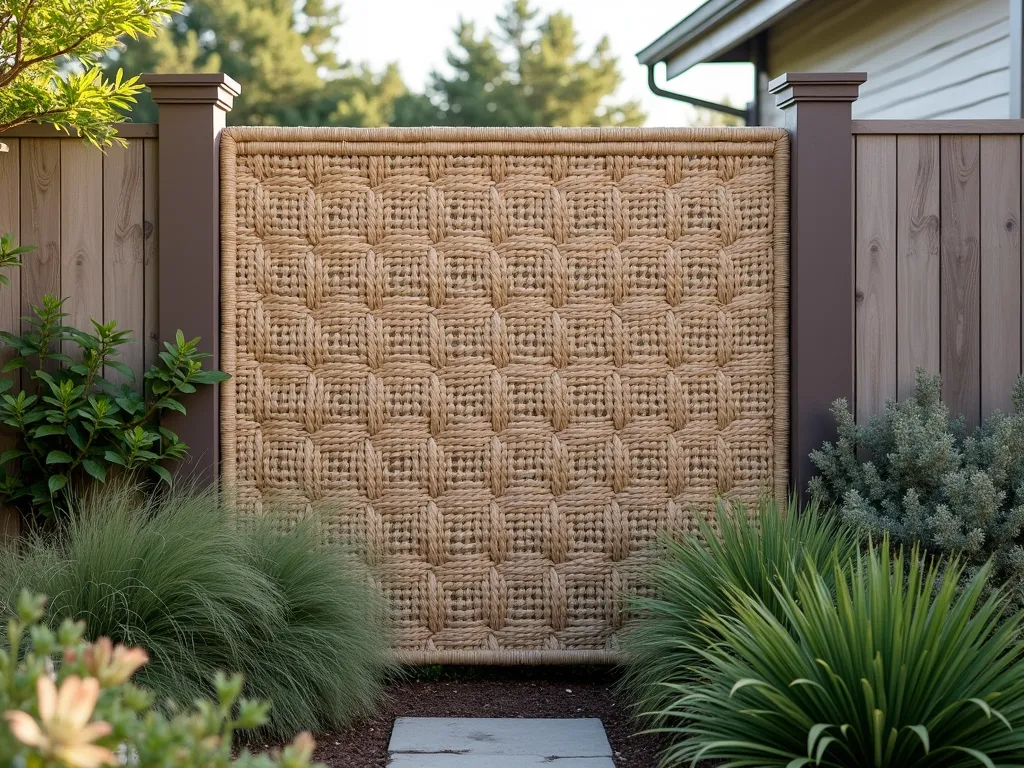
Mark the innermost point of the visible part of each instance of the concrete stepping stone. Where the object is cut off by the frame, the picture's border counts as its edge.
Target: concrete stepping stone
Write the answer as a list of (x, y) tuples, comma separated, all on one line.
[(497, 761), (499, 742)]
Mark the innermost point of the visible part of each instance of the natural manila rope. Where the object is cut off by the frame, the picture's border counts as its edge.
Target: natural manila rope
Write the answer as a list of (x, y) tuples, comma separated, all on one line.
[(504, 360)]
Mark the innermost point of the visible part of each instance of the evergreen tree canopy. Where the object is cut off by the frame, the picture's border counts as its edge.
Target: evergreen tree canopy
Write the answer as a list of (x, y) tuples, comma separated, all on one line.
[(530, 73), (284, 53)]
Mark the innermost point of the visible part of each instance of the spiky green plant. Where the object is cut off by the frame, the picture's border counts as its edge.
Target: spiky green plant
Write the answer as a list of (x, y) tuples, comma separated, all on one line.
[(754, 552), (884, 664), (200, 594)]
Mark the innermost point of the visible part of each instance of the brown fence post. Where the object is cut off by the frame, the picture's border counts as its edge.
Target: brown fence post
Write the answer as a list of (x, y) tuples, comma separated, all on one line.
[(193, 109), (821, 337)]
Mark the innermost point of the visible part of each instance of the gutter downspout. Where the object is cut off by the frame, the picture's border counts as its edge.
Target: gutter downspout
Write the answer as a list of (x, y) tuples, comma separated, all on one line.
[(657, 90), (759, 58)]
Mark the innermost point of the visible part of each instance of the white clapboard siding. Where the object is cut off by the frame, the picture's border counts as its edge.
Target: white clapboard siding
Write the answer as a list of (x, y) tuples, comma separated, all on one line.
[(924, 58)]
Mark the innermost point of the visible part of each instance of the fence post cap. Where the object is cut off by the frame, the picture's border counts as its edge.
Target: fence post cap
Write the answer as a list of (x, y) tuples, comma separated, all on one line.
[(794, 87), (214, 88)]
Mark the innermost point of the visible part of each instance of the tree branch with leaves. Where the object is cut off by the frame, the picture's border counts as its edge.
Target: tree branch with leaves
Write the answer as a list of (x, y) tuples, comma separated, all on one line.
[(49, 62)]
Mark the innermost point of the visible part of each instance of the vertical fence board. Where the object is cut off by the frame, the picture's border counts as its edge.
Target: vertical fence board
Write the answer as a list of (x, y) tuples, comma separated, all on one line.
[(876, 273), (10, 224), (40, 219), (917, 261), (40, 226), (10, 296), (961, 274), (81, 243), (1000, 270), (151, 289), (123, 248)]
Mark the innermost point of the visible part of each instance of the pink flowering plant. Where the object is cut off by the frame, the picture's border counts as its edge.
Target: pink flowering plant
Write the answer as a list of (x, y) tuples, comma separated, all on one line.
[(68, 703)]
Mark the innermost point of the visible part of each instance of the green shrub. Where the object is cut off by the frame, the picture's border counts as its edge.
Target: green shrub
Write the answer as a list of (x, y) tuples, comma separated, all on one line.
[(925, 481), (755, 553), (885, 664), (68, 703), (82, 425), (179, 579)]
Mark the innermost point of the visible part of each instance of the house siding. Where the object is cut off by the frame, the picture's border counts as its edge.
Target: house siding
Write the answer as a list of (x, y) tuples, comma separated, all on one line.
[(924, 58)]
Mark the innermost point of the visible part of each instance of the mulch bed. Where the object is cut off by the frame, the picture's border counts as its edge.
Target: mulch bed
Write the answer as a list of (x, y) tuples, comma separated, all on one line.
[(494, 692)]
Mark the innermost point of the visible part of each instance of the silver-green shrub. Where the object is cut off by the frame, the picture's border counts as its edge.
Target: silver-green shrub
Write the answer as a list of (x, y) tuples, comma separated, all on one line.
[(918, 475)]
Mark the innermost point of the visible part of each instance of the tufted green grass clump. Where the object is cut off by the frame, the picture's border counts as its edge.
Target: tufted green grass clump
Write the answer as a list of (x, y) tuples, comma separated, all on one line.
[(882, 662), (176, 576)]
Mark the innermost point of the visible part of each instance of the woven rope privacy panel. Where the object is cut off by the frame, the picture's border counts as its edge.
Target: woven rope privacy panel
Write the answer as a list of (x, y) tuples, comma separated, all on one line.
[(504, 360)]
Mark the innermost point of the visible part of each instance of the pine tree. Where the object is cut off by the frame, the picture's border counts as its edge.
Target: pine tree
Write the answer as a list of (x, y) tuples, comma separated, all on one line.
[(282, 52), (529, 74)]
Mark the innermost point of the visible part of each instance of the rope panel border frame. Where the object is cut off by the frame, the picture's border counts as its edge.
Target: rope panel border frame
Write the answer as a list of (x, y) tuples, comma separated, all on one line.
[(236, 142)]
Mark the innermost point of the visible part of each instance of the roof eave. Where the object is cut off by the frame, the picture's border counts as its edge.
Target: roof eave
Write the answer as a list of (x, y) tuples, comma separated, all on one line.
[(708, 15), (714, 30)]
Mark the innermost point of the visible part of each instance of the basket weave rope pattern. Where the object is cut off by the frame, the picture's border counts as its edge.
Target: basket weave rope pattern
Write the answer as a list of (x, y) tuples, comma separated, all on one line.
[(504, 360)]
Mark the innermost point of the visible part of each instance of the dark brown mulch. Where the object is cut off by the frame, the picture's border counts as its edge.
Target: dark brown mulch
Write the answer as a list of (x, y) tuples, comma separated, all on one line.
[(494, 692)]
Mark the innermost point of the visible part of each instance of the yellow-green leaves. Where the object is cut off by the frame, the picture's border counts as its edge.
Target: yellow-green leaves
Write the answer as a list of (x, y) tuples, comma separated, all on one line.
[(48, 62)]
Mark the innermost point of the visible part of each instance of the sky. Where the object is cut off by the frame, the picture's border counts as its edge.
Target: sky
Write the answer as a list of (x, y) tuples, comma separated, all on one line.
[(416, 35)]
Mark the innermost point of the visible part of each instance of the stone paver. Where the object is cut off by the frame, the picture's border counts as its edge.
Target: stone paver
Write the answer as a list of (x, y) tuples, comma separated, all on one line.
[(471, 742), (496, 761)]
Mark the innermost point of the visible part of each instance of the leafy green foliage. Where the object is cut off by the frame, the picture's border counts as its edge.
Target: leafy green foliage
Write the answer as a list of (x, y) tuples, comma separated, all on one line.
[(81, 424), (925, 481), (531, 74), (10, 255), (101, 713), (753, 552), (883, 663), (49, 51), (200, 593)]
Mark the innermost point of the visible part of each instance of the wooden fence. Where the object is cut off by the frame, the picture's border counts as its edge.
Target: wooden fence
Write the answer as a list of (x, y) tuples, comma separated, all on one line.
[(92, 216), (101, 219), (905, 247), (938, 272), (923, 272)]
